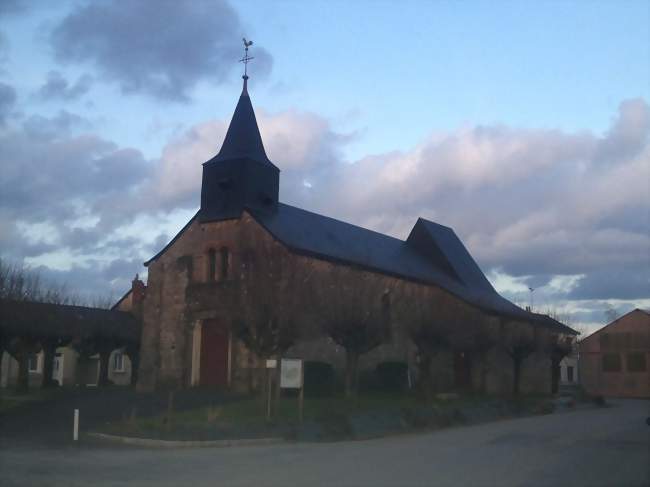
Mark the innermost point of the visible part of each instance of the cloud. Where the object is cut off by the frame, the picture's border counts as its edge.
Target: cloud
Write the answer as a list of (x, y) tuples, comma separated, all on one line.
[(162, 48), (536, 204), (530, 202), (57, 87), (63, 189), (12, 7), (302, 144), (565, 213), (7, 101)]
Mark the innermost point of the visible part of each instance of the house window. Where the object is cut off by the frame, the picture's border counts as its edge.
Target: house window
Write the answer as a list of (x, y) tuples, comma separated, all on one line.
[(225, 263), (569, 374), (636, 362), (212, 265), (611, 362), (33, 363), (118, 362)]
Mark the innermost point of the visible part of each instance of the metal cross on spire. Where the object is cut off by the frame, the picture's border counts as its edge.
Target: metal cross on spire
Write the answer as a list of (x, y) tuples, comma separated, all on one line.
[(246, 57)]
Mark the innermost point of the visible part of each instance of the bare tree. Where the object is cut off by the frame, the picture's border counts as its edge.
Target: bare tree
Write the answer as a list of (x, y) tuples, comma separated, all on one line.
[(557, 347), (355, 312), (435, 322), (266, 319), (610, 313), (474, 337), (519, 340), (19, 283)]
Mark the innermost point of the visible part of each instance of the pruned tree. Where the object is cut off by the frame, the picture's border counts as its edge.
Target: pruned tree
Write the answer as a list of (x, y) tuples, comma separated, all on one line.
[(29, 324), (20, 347), (269, 302), (354, 308), (557, 347), (474, 336), (519, 340), (435, 323)]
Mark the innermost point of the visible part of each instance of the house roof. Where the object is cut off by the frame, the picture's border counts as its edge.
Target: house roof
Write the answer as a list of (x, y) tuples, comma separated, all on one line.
[(554, 324), (59, 320), (635, 310)]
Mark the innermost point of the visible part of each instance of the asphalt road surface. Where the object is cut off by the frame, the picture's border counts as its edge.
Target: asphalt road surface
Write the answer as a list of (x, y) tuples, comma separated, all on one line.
[(609, 446)]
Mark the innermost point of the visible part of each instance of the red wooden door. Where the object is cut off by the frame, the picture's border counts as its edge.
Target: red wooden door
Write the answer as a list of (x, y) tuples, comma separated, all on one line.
[(214, 354)]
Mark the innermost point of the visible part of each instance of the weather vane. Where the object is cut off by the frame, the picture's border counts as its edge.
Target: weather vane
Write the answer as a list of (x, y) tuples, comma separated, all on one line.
[(246, 57)]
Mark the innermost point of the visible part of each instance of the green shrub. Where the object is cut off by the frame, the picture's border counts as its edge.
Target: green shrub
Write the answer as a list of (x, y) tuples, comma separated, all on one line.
[(320, 379), (392, 376)]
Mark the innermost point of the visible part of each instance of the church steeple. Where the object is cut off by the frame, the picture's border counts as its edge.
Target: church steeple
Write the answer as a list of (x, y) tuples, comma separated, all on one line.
[(243, 139), (240, 176)]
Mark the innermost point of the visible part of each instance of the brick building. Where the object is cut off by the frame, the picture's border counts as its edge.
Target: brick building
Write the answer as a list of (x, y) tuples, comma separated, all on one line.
[(614, 361), (245, 254)]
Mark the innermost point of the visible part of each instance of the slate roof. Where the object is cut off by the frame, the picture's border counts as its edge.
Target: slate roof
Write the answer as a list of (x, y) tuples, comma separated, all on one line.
[(320, 236), (445, 249), (635, 310), (243, 139), (59, 320), (323, 237)]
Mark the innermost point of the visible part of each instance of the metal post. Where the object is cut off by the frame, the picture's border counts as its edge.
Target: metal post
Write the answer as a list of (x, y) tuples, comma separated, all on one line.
[(301, 395), (268, 395), (75, 428)]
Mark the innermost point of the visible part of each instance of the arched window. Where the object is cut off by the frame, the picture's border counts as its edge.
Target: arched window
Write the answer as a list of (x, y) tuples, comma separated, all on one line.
[(212, 265), (225, 262)]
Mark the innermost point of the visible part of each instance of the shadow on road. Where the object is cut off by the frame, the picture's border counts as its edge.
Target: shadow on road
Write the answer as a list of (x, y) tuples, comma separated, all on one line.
[(49, 422)]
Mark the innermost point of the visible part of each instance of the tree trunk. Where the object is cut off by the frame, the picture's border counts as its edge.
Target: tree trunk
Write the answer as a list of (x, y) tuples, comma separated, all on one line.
[(104, 357), (351, 373), (134, 357), (2, 350), (516, 375), (484, 373), (49, 351), (22, 384), (424, 376), (555, 375)]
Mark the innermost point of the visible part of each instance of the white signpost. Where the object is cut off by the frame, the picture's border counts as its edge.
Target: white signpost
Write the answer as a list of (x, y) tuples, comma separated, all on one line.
[(291, 373), (75, 426), (292, 376)]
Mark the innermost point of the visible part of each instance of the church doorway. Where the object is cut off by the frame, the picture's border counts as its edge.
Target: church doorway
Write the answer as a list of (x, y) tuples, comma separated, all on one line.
[(214, 354)]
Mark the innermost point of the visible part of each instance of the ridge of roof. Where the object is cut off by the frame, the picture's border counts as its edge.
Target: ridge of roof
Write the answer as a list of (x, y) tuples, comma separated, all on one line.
[(171, 242), (124, 296), (614, 321), (443, 246)]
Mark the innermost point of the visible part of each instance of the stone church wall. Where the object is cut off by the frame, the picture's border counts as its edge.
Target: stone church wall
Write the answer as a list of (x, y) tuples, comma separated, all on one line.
[(180, 294)]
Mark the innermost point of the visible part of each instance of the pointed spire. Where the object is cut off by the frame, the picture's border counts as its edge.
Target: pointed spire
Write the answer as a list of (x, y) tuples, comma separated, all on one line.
[(243, 139)]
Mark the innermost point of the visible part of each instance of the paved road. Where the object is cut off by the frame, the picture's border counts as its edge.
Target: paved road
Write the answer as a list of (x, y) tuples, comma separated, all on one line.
[(596, 447)]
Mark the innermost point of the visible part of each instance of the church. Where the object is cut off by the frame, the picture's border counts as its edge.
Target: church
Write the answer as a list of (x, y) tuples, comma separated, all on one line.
[(245, 257)]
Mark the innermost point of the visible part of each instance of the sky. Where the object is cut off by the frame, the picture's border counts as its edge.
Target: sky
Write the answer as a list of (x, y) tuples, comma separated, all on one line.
[(525, 126)]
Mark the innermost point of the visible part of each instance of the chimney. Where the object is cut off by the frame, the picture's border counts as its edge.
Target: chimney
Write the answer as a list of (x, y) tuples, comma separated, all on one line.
[(138, 291)]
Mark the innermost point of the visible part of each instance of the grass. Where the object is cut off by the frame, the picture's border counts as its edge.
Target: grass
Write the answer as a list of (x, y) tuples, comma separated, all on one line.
[(11, 400), (325, 418)]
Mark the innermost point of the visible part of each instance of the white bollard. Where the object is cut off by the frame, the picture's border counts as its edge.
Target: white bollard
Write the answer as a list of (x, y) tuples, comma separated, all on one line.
[(75, 430)]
